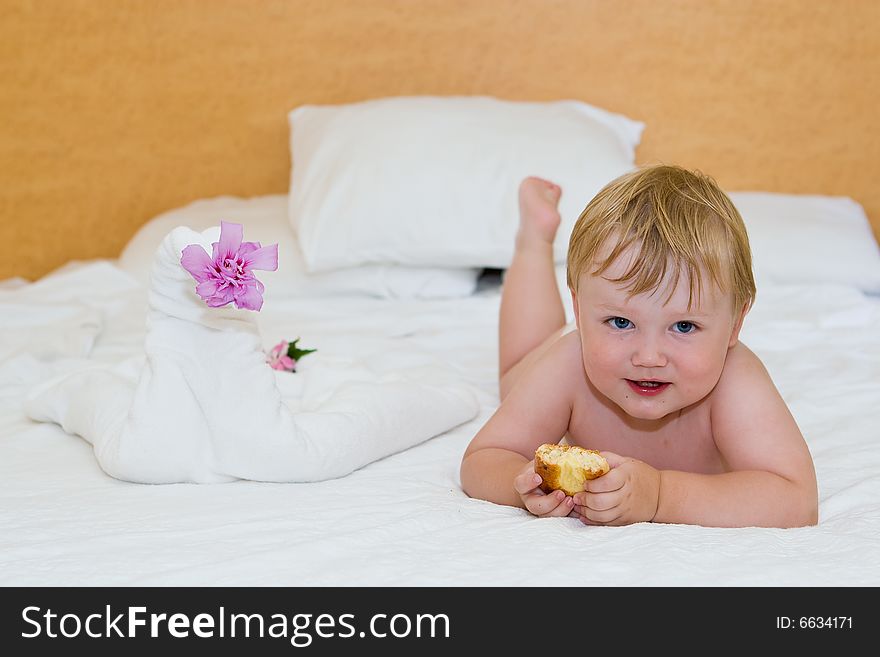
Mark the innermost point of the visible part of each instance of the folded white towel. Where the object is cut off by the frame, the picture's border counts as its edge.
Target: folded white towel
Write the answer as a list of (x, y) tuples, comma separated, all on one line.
[(207, 408)]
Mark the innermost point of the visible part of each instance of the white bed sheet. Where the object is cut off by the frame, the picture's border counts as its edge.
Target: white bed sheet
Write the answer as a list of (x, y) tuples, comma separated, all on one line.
[(404, 520)]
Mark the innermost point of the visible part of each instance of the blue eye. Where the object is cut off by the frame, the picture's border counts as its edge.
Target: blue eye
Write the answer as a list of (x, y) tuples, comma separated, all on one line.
[(685, 327), (620, 322)]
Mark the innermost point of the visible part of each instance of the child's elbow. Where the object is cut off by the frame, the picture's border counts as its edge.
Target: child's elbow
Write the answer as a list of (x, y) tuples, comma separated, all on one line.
[(812, 515), (812, 503), (804, 519), (807, 513), (467, 476)]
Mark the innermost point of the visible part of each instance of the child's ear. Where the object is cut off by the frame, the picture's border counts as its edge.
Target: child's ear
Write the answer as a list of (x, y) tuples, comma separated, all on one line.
[(737, 326)]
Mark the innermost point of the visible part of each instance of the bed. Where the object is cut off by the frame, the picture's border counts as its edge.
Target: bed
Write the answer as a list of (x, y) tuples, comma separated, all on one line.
[(384, 287), (404, 519)]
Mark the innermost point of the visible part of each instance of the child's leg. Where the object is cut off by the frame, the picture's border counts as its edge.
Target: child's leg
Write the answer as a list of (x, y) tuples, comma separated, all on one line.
[(531, 309)]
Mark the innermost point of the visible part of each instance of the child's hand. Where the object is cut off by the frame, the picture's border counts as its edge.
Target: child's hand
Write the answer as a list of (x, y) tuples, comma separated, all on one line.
[(629, 493), (536, 501)]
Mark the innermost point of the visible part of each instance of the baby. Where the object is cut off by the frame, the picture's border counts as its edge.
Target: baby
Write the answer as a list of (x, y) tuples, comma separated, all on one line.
[(653, 375)]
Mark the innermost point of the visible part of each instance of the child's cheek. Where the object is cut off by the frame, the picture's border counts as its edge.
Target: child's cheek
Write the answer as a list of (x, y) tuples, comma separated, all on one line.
[(599, 362), (703, 372)]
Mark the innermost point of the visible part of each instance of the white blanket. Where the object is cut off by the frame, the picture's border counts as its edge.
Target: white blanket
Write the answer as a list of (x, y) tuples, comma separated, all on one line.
[(205, 407)]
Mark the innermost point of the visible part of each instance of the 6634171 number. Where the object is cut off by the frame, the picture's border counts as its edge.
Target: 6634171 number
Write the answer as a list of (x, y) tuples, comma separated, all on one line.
[(814, 622)]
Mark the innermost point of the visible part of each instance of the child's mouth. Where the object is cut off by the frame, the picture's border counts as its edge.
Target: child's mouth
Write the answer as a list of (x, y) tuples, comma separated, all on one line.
[(648, 388)]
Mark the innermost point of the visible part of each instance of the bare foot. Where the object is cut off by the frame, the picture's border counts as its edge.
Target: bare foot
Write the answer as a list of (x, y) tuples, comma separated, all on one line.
[(538, 214)]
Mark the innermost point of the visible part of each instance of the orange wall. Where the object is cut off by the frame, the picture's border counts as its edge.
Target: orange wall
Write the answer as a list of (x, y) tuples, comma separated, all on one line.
[(113, 111)]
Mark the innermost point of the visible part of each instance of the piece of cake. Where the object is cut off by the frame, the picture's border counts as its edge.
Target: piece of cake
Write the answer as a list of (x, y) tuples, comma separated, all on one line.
[(567, 467)]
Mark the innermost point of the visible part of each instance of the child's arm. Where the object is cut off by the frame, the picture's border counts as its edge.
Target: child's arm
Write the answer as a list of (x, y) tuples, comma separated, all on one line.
[(772, 482), (497, 465)]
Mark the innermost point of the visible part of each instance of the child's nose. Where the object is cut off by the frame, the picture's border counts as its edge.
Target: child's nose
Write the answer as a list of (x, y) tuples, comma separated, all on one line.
[(649, 353)]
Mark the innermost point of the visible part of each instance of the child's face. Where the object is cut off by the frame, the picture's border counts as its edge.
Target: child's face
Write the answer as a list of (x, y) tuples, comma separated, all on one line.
[(649, 358)]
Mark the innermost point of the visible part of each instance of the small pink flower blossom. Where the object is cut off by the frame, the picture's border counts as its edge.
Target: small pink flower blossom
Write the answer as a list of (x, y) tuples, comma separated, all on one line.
[(278, 358), (285, 355), (227, 275)]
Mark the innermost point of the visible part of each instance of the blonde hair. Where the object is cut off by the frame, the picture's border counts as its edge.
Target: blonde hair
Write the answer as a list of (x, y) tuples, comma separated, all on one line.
[(673, 217)]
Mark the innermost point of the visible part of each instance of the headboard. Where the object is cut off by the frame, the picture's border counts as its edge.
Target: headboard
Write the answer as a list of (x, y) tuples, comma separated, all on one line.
[(115, 111)]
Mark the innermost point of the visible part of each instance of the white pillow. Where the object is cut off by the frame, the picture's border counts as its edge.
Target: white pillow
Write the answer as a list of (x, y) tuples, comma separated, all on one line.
[(803, 239), (265, 220), (433, 181)]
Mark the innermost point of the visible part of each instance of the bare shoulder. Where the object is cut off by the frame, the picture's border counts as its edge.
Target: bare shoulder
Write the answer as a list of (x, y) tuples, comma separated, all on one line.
[(741, 368), (565, 361), (566, 356), (557, 369), (559, 356), (744, 383), (537, 408), (751, 424)]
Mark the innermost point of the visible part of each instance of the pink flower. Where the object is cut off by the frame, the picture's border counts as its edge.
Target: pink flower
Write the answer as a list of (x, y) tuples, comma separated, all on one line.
[(278, 358), (285, 355), (227, 275)]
